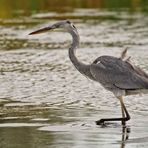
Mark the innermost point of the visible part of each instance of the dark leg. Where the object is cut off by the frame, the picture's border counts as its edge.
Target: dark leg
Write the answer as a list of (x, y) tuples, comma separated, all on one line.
[(125, 110), (123, 114), (123, 119)]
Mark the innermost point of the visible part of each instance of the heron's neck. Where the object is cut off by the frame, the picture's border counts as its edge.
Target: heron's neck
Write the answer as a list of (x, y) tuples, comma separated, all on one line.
[(81, 67)]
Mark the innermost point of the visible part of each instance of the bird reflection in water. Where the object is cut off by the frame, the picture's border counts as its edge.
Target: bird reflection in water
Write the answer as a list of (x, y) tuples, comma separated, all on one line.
[(125, 136)]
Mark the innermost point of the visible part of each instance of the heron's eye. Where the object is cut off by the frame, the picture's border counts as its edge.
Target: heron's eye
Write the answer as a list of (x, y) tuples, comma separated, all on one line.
[(73, 26)]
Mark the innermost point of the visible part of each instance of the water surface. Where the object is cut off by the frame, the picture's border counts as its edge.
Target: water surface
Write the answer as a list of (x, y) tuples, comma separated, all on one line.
[(44, 101)]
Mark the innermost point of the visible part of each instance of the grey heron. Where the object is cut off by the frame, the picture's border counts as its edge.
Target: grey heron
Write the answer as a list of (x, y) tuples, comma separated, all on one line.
[(115, 74)]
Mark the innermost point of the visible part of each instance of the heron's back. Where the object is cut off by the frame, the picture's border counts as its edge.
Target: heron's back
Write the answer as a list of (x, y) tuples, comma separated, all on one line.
[(113, 73)]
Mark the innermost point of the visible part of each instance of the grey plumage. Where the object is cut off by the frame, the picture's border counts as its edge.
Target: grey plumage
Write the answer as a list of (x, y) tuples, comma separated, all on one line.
[(118, 76), (114, 74)]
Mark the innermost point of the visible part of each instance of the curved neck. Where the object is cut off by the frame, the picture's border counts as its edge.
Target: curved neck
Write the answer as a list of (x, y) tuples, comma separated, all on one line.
[(81, 67)]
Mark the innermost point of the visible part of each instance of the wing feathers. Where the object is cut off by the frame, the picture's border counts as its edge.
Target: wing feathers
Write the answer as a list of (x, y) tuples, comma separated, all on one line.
[(112, 71)]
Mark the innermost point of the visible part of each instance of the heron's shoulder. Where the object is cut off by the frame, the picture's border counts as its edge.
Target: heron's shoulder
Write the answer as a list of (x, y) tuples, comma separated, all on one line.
[(106, 59), (111, 63)]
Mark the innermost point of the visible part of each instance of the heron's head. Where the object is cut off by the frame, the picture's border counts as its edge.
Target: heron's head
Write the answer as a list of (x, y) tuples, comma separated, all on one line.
[(65, 26)]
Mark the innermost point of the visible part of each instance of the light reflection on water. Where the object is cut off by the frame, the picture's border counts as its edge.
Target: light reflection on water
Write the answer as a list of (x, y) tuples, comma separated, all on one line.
[(64, 104), (45, 102)]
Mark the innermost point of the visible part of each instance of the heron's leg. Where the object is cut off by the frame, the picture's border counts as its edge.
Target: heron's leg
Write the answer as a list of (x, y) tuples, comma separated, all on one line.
[(123, 114), (125, 110), (123, 119)]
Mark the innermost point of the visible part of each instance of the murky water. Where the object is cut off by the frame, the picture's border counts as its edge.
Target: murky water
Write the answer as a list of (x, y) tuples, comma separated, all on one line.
[(45, 102)]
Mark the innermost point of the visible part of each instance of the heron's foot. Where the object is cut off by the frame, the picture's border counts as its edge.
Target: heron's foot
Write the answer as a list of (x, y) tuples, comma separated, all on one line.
[(100, 122), (122, 120)]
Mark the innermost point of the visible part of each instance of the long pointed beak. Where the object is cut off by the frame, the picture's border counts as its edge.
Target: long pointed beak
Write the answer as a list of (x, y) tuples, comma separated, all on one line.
[(42, 30)]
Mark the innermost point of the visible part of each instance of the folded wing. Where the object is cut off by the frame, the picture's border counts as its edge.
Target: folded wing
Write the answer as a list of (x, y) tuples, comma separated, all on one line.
[(113, 72)]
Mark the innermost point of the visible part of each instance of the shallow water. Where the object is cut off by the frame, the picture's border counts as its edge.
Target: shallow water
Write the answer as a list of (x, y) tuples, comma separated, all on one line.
[(45, 102)]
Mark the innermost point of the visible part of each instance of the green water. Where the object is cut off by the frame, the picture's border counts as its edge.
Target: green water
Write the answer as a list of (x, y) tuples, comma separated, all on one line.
[(44, 101)]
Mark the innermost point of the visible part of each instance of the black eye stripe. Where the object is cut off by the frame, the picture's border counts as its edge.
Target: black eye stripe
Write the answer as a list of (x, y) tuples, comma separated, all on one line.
[(73, 26), (68, 22)]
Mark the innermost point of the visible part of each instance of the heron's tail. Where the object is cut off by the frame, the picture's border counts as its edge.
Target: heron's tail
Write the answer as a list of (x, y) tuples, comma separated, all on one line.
[(138, 91)]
